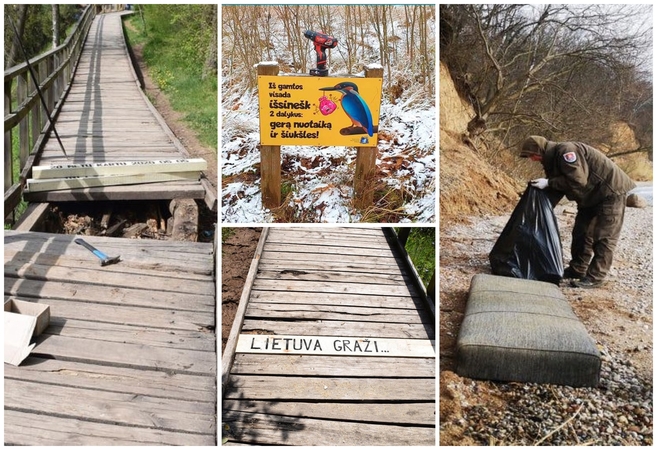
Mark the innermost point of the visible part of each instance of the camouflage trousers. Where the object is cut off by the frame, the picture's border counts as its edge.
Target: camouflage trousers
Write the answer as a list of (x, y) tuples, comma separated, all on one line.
[(595, 235)]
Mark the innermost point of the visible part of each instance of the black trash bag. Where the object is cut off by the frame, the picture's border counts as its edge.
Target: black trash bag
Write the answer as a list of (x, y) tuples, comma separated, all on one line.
[(530, 245)]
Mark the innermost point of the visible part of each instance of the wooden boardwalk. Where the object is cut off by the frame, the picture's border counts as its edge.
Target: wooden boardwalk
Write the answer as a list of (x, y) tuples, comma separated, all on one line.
[(129, 357), (334, 284), (106, 117)]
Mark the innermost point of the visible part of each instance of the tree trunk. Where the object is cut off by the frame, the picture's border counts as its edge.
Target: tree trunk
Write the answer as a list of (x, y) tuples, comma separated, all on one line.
[(55, 26), (20, 26)]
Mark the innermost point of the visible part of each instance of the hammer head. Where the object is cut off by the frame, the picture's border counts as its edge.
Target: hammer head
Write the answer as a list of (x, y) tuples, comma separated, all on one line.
[(107, 261)]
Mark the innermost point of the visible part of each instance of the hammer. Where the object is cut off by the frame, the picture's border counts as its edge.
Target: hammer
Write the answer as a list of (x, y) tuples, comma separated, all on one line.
[(104, 259)]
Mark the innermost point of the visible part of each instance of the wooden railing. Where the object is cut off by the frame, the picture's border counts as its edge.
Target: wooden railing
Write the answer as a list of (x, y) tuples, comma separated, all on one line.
[(26, 123)]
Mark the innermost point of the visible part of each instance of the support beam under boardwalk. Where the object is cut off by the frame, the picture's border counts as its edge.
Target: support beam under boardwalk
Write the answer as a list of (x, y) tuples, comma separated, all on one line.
[(335, 346), (129, 357)]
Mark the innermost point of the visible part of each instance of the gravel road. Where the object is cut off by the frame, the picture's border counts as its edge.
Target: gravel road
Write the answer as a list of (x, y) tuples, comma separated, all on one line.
[(618, 316)]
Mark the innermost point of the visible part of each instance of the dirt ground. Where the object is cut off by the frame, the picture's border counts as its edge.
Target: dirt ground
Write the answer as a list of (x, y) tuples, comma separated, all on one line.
[(618, 316), (236, 255)]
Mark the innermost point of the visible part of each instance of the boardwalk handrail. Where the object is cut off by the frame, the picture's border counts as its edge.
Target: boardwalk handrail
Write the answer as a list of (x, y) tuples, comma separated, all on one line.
[(24, 113)]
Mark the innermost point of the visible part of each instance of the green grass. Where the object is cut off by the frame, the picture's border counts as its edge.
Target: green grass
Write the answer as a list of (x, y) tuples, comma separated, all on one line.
[(421, 247), (179, 77)]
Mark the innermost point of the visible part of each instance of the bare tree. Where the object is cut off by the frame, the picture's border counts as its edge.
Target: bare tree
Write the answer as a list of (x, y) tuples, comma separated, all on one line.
[(548, 67), (250, 33), (245, 46)]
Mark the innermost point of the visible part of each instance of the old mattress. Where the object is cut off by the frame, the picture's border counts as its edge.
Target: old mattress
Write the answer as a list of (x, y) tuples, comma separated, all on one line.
[(524, 330)]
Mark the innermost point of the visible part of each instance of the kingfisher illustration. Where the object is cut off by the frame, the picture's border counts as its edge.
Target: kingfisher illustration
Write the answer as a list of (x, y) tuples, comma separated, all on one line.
[(355, 108)]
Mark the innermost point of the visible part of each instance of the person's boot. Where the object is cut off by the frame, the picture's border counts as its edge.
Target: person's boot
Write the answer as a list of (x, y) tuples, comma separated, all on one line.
[(587, 283)]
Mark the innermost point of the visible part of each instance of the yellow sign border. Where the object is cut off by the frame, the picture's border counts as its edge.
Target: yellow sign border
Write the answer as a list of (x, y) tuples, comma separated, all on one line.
[(306, 110)]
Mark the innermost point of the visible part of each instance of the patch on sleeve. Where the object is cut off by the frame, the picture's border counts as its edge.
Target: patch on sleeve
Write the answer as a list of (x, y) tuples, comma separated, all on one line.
[(570, 157)]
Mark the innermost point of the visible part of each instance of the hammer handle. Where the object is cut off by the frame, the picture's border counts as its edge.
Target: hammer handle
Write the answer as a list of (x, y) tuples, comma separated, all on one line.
[(91, 248)]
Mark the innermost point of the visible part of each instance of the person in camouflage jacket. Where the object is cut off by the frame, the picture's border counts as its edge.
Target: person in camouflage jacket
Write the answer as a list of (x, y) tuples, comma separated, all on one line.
[(599, 187)]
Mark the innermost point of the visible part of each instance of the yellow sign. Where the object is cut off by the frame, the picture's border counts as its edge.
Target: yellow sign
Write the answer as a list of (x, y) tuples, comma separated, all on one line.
[(305, 110)]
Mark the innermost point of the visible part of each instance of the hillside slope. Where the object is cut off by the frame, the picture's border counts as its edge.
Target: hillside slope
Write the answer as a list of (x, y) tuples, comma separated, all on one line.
[(468, 184)]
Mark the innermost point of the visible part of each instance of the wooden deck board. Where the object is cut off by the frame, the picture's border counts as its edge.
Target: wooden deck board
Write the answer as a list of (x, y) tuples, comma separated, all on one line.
[(128, 357), (271, 429), (25, 428), (400, 413), (338, 282), (107, 118)]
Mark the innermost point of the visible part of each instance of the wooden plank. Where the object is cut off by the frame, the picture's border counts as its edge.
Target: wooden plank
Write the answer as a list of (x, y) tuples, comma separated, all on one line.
[(78, 122), (265, 429), (130, 266), (58, 184), (327, 287), (277, 388), (84, 157), (111, 296), (404, 304), (110, 407), (94, 275), (330, 238), (336, 366), (137, 356), (150, 383), (119, 168), (331, 277), (275, 264), (340, 328), (32, 218), (335, 346), (328, 250), (353, 230), (160, 191), (336, 239), (201, 340), (23, 428), (332, 235), (64, 243), (382, 413), (173, 319), (319, 312), (347, 260)]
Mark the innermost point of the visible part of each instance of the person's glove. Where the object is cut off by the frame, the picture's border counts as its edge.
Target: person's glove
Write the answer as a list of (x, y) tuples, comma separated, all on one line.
[(540, 183)]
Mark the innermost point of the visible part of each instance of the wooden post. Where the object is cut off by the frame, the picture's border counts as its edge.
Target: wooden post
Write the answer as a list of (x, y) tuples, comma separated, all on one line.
[(35, 116), (270, 160), (366, 162), (8, 161), (23, 127)]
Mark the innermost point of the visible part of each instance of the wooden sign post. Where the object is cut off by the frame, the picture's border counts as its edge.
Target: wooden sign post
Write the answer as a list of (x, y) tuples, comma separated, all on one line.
[(319, 111), (270, 159), (366, 162)]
